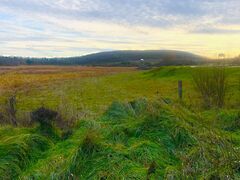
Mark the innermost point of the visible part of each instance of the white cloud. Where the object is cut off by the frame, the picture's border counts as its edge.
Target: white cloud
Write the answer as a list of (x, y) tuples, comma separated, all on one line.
[(75, 27)]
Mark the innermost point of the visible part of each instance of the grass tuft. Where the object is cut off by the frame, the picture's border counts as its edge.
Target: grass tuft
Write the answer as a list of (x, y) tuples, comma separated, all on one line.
[(18, 152), (212, 85)]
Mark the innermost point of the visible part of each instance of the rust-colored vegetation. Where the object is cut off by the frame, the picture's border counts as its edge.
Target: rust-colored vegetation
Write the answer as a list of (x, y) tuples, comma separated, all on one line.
[(14, 78)]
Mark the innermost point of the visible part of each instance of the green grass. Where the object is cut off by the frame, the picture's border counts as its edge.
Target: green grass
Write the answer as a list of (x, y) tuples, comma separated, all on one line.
[(95, 94), (19, 149), (116, 136), (124, 142)]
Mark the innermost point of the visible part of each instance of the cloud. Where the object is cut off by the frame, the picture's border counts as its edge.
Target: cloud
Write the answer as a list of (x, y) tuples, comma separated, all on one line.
[(75, 27), (213, 30)]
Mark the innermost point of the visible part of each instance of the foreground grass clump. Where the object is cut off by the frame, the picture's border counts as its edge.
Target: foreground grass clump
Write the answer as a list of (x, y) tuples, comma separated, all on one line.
[(138, 140), (18, 151)]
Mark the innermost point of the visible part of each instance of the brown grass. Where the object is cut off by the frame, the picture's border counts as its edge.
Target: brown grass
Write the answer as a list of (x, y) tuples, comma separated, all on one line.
[(17, 77)]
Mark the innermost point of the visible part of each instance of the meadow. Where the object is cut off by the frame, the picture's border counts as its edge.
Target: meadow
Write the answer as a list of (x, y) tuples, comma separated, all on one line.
[(117, 123)]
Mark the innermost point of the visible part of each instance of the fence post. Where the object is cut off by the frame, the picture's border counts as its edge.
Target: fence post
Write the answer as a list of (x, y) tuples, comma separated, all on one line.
[(180, 89), (11, 109)]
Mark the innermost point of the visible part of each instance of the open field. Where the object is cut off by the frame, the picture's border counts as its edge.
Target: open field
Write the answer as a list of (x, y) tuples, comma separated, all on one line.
[(96, 88), (119, 90), (118, 123), (17, 77)]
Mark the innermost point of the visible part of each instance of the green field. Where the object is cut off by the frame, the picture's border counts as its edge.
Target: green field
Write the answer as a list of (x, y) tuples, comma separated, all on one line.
[(94, 94), (129, 124)]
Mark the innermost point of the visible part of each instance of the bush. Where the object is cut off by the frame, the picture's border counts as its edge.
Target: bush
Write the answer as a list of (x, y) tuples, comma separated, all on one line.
[(43, 115), (211, 83), (45, 118)]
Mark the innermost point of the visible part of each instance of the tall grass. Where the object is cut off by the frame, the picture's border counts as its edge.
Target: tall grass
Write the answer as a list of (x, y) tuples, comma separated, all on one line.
[(211, 83), (17, 152), (144, 140)]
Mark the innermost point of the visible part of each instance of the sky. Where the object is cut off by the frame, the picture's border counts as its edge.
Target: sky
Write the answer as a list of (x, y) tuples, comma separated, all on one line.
[(62, 28)]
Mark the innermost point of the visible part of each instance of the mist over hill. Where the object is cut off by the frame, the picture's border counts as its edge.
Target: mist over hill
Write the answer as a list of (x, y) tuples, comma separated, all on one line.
[(115, 58)]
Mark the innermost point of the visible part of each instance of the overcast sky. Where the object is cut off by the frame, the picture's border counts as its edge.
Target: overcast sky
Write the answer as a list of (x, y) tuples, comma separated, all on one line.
[(75, 27)]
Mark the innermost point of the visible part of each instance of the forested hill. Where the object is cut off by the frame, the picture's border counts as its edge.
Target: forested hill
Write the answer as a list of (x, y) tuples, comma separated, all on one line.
[(114, 58)]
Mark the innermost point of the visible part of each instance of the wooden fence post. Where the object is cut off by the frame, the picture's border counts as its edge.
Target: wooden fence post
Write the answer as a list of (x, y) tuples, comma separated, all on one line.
[(11, 110), (180, 89)]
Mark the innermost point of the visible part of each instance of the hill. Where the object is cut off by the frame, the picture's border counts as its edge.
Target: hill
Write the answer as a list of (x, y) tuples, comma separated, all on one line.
[(131, 58), (115, 58)]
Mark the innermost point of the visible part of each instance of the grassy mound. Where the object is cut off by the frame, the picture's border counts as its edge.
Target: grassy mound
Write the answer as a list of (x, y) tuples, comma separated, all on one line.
[(17, 152), (136, 140)]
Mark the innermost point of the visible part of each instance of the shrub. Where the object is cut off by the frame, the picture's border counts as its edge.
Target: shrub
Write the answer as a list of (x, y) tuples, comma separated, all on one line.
[(45, 118), (43, 115), (211, 83)]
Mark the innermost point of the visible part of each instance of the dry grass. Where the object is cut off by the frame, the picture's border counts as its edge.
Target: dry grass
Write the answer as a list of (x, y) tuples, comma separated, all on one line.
[(17, 77)]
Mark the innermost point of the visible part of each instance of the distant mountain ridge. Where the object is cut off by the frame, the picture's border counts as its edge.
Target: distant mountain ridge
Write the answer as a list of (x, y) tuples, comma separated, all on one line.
[(115, 58)]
